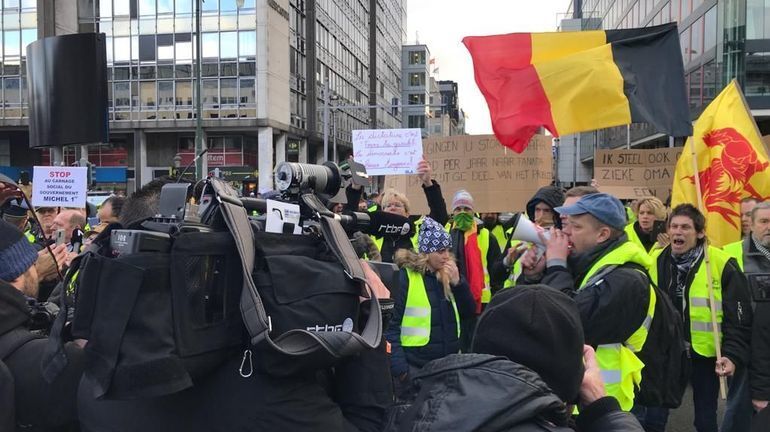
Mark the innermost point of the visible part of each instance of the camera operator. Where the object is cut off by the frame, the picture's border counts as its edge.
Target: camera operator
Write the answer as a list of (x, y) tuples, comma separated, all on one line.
[(353, 396), (33, 404)]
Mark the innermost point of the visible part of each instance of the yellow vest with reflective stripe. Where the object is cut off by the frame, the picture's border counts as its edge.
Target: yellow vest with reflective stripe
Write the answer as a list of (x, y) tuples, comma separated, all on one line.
[(415, 325), (701, 335), (735, 250), (621, 368)]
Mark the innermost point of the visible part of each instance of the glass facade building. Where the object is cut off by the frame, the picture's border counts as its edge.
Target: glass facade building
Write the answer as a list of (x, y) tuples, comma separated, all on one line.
[(721, 40), (264, 67)]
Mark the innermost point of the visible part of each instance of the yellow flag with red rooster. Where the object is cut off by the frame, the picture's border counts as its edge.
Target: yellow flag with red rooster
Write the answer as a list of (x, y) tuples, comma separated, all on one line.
[(732, 164)]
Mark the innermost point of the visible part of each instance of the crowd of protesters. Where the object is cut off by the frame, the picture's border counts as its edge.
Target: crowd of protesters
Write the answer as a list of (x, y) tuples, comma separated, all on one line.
[(488, 331)]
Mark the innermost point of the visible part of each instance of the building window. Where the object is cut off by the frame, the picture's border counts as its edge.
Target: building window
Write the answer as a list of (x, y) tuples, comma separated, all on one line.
[(228, 45), (247, 44), (684, 40), (417, 79), (417, 99), (416, 57), (696, 38), (755, 19), (695, 89), (165, 93), (416, 121), (184, 94), (710, 83), (710, 29), (757, 74), (210, 45)]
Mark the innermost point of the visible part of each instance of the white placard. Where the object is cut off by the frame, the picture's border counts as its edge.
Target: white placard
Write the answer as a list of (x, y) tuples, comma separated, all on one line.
[(279, 213), (55, 186), (388, 151)]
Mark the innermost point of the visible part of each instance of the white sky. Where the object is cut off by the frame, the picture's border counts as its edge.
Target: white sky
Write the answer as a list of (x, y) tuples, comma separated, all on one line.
[(441, 25)]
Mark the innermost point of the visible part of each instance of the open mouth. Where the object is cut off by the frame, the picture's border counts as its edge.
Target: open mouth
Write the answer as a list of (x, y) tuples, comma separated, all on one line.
[(677, 242)]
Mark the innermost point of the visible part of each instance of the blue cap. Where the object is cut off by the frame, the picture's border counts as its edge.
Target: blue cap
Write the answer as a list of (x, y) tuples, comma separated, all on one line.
[(604, 207)]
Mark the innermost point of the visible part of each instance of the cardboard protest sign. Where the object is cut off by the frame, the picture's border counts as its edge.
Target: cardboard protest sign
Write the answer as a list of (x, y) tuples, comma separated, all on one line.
[(388, 151), (626, 192), (499, 179), (59, 186), (652, 169)]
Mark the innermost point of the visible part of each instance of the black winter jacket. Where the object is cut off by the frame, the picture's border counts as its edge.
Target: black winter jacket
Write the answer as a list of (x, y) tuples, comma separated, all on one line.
[(39, 406), (443, 328), (390, 245), (736, 305), (612, 310), (479, 392), (756, 264)]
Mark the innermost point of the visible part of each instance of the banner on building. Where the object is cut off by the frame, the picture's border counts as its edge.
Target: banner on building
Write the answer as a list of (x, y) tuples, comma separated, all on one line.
[(650, 169), (499, 179)]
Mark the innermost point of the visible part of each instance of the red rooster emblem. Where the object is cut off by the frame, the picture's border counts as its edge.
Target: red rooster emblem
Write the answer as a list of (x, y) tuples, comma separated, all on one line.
[(724, 182)]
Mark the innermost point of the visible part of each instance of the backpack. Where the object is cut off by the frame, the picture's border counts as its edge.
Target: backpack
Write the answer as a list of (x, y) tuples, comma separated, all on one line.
[(666, 357), (9, 343)]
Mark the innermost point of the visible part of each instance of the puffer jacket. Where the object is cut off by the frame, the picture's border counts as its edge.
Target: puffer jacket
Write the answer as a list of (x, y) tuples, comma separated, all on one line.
[(550, 195), (480, 392), (443, 327)]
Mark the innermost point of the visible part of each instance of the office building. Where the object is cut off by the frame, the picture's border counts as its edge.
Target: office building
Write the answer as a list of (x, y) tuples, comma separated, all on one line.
[(265, 65)]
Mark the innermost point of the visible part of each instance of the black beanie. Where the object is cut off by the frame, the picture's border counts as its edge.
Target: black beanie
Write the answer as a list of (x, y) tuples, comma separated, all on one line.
[(538, 327)]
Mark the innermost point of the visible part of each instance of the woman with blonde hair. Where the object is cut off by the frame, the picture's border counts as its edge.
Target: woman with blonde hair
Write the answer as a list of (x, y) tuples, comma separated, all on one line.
[(649, 229), (431, 300)]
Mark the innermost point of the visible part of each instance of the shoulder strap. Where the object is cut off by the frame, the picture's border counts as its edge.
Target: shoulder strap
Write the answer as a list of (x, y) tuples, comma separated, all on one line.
[(13, 340), (598, 276), (296, 342)]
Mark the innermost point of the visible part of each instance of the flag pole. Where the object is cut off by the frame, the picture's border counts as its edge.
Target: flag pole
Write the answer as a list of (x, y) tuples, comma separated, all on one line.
[(709, 278)]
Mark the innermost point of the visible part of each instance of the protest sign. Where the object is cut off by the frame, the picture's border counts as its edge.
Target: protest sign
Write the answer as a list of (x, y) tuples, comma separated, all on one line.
[(59, 186), (499, 179), (388, 151), (626, 192), (652, 169)]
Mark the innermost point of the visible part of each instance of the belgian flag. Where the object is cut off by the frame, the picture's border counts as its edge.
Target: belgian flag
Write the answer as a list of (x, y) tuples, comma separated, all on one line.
[(571, 82)]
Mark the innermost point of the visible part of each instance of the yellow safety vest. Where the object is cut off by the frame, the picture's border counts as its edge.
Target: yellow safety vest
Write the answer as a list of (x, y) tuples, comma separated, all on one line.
[(701, 328), (483, 240), (630, 215), (621, 368), (510, 281), (501, 236), (735, 250), (415, 325), (633, 237)]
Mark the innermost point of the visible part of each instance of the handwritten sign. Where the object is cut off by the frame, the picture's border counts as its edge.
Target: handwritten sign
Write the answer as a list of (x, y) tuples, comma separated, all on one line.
[(60, 186), (498, 179), (649, 168), (388, 151)]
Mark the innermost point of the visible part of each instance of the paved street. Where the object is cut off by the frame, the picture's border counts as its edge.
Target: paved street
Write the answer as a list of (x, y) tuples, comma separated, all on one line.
[(681, 419)]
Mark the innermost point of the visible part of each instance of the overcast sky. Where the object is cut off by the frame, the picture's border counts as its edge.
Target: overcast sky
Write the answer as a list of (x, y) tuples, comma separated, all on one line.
[(441, 25)]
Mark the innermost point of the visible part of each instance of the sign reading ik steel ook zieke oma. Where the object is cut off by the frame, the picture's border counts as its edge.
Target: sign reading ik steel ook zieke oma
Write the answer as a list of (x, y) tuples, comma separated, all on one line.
[(647, 168), (59, 186), (499, 179)]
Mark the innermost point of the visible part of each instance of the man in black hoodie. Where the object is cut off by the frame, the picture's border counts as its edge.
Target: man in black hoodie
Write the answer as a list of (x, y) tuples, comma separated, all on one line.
[(29, 402)]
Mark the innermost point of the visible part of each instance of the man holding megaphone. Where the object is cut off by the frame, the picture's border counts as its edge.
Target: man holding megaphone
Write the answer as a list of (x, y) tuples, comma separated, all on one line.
[(592, 261)]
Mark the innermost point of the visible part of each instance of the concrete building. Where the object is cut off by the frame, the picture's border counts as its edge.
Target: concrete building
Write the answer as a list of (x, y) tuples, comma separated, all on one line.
[(416, 90), (265, 64)]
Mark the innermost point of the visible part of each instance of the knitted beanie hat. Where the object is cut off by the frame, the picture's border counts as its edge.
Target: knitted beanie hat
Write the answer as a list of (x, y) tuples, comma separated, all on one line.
[(462, 198), (16, 253), (433, 237)]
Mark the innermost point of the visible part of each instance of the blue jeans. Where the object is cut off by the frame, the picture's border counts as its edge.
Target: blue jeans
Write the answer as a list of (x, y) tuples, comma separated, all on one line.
[(739, 410), (705, 391)]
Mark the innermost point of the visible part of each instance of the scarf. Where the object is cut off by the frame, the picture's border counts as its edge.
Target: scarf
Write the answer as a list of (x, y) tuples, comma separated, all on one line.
[(683, 263), (763, 250), (474, 268)]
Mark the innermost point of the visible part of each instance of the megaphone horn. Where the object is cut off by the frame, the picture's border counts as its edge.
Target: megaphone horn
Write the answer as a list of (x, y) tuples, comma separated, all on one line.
[(525, 230)]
